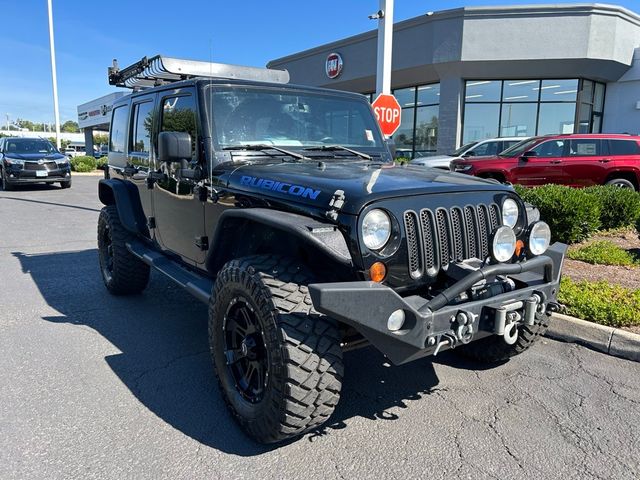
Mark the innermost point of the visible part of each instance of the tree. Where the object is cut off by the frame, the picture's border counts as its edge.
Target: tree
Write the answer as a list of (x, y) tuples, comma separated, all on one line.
[(70, 127)]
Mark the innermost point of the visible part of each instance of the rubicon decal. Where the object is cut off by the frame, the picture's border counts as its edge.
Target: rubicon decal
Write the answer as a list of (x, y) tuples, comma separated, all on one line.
[(282, 187)]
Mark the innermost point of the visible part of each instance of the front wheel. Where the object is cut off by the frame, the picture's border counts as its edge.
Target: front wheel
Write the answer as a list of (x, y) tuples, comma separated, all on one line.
[(6, 185), (122, 272), (278, 362), (495, 349), (66, 184)]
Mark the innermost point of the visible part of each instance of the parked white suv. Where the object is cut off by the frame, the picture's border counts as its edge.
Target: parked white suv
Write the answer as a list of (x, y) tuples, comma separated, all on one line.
[(481, 148)]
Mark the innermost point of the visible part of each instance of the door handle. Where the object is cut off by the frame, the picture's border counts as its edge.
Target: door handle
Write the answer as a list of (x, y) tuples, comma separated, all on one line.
[(605, 160), (555, 162)]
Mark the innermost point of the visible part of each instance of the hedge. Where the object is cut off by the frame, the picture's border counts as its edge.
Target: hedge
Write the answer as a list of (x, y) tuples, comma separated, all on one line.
[(572, 214), (604, 253), (601, 302), (83, 163), (576, 214), (101, 162)]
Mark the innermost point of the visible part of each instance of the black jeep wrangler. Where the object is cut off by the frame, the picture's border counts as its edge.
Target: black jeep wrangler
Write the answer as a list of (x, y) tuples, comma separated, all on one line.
[(281, 207)]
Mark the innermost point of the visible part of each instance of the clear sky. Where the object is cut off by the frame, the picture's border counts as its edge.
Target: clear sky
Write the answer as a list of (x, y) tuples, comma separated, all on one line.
[(89, 34)]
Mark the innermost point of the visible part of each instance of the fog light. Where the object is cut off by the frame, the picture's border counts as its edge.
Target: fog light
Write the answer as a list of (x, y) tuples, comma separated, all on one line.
[(396, 320)]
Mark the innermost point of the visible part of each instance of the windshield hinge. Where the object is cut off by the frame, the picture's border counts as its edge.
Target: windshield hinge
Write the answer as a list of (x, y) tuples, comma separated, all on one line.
[(335, 205)]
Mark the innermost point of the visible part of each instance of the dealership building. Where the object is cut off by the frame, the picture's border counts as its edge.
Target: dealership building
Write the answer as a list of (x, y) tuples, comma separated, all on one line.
[(479, 72)]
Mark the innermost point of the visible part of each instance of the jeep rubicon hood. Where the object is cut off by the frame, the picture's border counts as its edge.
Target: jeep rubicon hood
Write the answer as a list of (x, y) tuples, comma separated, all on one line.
[(314, 183)]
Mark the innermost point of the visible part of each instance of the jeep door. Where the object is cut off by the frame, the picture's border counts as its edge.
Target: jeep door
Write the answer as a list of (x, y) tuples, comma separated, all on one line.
[(178, 211), (139, 155), (586, 163), (544, 166)]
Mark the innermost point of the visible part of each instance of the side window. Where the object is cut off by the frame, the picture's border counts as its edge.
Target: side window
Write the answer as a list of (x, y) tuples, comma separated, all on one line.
[(488, 148), (118, 129), (550, 148), (624, 147), (508, 144), (141, 131), (584, 147), (179, 115)]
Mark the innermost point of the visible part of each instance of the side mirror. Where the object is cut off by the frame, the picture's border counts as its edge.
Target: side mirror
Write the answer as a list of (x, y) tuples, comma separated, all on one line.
[(174, 146), (530, 153)]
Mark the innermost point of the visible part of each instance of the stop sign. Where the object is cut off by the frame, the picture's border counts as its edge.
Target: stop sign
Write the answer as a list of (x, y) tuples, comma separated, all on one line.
[(387, 110)]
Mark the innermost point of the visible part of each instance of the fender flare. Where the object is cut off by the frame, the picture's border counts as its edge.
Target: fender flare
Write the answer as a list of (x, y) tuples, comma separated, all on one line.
[(323, 236), (124, 195)]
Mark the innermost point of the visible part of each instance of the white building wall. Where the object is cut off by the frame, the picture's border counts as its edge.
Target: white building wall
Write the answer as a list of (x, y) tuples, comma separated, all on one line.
[(622, 101)]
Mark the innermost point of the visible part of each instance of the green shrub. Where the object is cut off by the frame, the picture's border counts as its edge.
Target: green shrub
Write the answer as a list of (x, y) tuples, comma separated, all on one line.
[(619, 207), (101, 162), (83, 163), (572, 214), (603, 253), (601, 302), (402, 160), (638, 227)]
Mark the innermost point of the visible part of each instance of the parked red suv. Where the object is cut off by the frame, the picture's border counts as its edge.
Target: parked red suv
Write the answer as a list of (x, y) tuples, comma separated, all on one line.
[(577, 160)]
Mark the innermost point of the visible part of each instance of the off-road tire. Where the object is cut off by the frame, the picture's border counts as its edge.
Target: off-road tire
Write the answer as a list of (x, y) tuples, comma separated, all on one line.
[(494, 349), (304, 356), (66, 184), (6, 186), (128, 274)]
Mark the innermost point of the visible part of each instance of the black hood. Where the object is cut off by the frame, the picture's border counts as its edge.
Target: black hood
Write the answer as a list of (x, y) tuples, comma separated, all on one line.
[(35, 156), (314, 183)]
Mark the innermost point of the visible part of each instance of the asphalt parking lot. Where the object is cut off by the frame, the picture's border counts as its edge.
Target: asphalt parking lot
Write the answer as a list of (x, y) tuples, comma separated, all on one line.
[(95, 386)]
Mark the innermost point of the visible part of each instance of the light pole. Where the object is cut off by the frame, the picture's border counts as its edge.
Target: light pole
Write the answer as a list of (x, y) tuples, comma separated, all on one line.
[(7, 122), (385, 45), (53, 74)]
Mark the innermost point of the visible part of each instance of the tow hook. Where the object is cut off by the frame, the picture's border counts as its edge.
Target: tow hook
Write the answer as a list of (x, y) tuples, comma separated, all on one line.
[(462, 332), (509, 316)]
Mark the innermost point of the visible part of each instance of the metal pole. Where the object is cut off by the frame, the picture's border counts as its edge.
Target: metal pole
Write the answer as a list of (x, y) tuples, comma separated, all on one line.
[(385, 44), (53, 74)]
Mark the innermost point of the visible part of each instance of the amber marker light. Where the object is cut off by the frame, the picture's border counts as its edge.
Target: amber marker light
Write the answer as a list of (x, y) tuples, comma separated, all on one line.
[(519, 247), (377, 272)]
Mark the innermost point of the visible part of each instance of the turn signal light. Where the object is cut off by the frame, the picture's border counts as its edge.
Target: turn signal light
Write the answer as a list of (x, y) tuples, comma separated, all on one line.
[(377, 272), (519, 247)]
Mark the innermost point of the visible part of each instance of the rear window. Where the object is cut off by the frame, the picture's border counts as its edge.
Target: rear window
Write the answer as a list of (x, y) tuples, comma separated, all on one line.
[(118, 129), (624, 147)]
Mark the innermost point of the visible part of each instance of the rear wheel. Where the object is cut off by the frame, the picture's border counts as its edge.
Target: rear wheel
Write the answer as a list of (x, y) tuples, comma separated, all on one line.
[(494, 349), (621, 183), (122, 272), (278, 362)]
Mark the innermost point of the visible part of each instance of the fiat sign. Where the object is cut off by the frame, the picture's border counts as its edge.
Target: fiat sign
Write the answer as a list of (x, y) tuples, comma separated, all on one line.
[(333, 66), (387, 110)]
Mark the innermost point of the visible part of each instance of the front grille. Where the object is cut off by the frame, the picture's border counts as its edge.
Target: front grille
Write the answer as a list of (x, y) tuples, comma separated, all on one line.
[(446, 236), (40, 166)]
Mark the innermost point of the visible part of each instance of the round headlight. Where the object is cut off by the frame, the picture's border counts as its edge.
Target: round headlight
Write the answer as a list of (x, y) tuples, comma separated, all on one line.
[(510, 213), (376, 229), (503, 245), (539, 238)]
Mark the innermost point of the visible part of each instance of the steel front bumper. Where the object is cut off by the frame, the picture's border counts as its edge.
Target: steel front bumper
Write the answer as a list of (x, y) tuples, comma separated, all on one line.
[(435, 323)]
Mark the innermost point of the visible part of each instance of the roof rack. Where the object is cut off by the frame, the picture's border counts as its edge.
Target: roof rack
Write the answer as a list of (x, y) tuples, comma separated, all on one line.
[(159, 70)]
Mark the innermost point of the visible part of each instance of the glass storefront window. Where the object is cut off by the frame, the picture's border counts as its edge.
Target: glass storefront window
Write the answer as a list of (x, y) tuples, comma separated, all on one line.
[(531, 107), (518, 120), (480, 121), (406, 97), (483, 91), (429, 94), (556, 118), (403, 137), (558, 90), (520, 90), (426, 136)]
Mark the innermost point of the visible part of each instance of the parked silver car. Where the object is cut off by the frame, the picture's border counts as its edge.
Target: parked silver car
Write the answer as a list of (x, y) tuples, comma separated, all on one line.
[(481, 148)]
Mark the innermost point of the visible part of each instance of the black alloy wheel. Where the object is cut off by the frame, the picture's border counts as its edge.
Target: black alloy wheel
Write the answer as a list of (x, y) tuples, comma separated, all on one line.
[(246, 350)]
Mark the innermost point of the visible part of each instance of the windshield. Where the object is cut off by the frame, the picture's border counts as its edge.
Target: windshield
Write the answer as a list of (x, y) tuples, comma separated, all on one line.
[(256, 116), (463, 149), (28, 145), (519, 148)]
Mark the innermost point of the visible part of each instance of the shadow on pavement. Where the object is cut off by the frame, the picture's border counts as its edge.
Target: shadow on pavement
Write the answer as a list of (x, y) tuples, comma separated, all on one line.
[(164, 359), (49, 203)]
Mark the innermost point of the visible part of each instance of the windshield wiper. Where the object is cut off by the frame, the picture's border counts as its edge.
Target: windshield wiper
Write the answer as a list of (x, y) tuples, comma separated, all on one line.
[(262, 147), (334, 148)]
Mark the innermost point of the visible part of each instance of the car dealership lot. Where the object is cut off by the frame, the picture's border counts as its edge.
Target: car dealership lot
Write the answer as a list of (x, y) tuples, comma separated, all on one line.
[(96, 386)]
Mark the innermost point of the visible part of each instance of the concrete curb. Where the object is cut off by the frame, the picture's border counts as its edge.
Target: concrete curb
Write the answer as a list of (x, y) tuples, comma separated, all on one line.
[(97, 173), (609, 340)]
